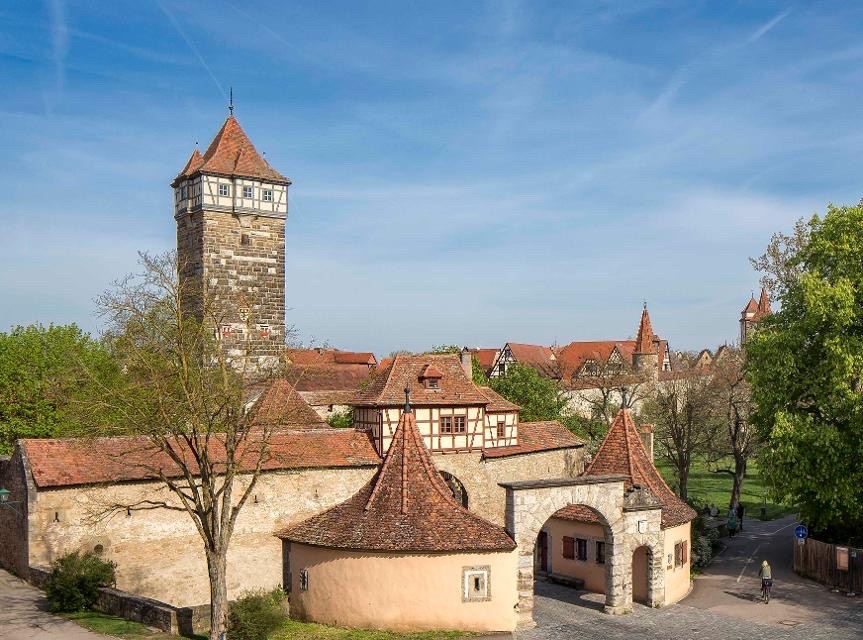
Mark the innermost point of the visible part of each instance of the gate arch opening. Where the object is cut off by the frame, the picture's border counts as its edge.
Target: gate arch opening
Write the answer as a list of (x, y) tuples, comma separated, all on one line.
[(642, 568), (455, 485)]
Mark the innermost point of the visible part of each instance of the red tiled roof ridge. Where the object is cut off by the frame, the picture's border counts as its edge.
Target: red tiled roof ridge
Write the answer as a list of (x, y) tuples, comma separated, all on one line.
[(192, 165)]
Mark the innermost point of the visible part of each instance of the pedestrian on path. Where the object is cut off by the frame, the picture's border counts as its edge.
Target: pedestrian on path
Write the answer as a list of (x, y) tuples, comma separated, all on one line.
[(732, 522), (740, 516)]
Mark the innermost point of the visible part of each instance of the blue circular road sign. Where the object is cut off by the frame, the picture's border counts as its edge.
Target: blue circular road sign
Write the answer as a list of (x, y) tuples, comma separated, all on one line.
[(801, 531)]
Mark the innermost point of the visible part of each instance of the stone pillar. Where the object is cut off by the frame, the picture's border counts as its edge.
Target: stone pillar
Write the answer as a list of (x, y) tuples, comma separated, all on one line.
[(618, 577), (525, 589), (655, 577)]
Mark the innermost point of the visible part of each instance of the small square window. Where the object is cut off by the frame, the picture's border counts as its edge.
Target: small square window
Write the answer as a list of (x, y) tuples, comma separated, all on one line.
[(245, 239), (475, 584), (446, 424), (247, 192), (267, 195), (501, 429), (304, 580), (224, 190), (459, 426), (431, 383)]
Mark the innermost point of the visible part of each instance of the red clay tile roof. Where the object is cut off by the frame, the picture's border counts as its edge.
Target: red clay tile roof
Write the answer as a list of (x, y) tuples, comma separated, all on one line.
[(280, 405), (537, 436), (430, 371), (336, 397), (573, 356), (192, 165), (497, 402), (454, 387), (644, 339), (533, 355), (751, 306), (341, 377), (579, 513), (764, 303), (231, 153), (407, 507), (622, 453), (70, 462), (330, 357), (485, 357)]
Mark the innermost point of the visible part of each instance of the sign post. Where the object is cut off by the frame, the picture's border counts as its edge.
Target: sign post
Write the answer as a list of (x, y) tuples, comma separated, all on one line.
[(801, 532)]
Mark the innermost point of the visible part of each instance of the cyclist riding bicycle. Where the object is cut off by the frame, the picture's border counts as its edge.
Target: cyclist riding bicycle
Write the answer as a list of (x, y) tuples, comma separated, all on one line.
[(766, 575)]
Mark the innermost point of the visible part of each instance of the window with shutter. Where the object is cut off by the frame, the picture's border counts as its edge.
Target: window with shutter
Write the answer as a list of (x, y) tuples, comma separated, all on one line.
[(581, 549), (568, 547)]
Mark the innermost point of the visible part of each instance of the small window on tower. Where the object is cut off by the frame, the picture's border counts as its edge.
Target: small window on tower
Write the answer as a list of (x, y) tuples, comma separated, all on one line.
[(267, 195), (245, 239), (224, 190), (247, 192)]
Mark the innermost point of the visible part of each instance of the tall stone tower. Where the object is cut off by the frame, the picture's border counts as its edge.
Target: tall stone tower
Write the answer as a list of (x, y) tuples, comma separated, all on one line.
[(753, 313), (645, 357), (230, 206)]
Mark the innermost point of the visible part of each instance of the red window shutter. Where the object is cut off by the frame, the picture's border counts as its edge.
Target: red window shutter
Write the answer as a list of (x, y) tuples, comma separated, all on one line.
[(568, 547), (684, 548)]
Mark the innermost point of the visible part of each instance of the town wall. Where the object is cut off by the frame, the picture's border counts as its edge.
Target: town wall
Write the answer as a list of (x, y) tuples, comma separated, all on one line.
[(159, 553), (401, 591)]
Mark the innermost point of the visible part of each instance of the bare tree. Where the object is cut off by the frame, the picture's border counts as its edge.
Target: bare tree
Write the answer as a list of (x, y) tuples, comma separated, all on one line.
[(732, 405), (684, 423), (184, 400), (778, 263), (603, 387)]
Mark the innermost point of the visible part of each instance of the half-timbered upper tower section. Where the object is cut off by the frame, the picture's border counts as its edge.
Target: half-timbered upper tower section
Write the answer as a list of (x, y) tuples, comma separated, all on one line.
[(230, 206)]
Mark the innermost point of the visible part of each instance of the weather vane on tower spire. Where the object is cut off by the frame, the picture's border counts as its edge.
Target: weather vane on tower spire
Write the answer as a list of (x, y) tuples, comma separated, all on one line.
[(231, 102)]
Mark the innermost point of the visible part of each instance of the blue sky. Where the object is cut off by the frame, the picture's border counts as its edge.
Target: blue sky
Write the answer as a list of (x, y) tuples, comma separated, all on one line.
[(464, 172)]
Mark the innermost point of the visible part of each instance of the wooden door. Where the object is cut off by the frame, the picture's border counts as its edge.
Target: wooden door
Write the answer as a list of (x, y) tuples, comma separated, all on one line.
[(542, 542)]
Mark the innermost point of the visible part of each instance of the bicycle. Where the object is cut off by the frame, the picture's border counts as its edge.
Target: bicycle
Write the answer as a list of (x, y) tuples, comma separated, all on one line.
[(765, 590)]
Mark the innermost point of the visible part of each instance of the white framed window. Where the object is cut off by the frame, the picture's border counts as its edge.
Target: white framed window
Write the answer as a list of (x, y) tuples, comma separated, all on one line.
[(224, 190), (475, 584), (247, 192), (267, 195)]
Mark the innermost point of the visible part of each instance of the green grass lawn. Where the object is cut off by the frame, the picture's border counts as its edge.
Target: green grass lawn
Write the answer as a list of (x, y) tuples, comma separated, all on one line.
[(708, 486), (292, 630)]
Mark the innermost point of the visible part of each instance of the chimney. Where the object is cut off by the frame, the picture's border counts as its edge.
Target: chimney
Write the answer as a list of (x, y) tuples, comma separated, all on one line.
[(467, 363), (646, 433)]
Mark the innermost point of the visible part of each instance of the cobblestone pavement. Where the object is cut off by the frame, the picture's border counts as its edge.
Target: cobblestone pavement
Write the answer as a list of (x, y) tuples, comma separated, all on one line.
[(722, 606)]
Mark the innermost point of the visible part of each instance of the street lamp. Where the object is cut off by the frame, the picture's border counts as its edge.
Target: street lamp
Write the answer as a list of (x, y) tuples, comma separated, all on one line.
[(4, 495), (5, 503)]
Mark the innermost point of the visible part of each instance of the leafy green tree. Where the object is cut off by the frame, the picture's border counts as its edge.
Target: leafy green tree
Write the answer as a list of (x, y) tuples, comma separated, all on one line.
[(40, 369), (341, 419), (805, 364)]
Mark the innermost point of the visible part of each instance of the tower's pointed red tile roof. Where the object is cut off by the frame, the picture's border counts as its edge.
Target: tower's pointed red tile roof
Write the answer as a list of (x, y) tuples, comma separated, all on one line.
[(406, 507), (622, 452), (231, 153), (192, 165), (764, 303), (644, 340), (751, 306)]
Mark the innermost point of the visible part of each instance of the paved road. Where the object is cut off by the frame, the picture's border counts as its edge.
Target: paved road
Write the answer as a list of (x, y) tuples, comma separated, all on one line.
[(720, 607), (23, 615)]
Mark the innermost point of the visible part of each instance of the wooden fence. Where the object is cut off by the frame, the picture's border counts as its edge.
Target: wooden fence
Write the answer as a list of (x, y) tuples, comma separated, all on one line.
[(830, 564)]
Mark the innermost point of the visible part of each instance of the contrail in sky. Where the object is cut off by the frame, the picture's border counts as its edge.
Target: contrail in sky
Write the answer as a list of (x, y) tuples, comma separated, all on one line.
[(768, 26), (192, 46)]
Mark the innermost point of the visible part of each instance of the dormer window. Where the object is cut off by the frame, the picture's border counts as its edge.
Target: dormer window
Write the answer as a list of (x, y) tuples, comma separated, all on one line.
[(430, 377), (267, 195), (224, 190), (247, 192), (431, 383)]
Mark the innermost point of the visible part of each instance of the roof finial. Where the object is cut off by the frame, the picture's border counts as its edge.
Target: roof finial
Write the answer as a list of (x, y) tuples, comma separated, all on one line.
[(407, 398), (644, 302), (231, 102)]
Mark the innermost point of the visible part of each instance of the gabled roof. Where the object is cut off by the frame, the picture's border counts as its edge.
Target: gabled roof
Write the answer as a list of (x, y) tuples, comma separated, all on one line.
[(622, 452), (61, 462), (573, 356), (485, 357), (430, 371), (280, 405), (342, 377), (547, 435), (406, 507), (231, 153), (751, 306), (644, 340), (454, 387), (537, 356)]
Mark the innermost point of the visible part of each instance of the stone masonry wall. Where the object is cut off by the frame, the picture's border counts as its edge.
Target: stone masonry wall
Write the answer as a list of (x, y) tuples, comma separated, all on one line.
[(159, 553), (13, 517), (239, 259), (480, 477)]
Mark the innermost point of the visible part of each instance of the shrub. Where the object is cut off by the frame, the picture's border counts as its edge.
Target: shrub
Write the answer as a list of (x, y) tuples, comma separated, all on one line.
[(256, 615), (702, 551), (75, 580)]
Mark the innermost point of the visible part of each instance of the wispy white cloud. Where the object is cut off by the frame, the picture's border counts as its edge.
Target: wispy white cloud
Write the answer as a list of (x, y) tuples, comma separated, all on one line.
[(59, 49), (761, 31)]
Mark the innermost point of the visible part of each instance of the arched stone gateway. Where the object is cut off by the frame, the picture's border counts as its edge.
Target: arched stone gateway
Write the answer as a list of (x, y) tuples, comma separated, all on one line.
[(530, 504)]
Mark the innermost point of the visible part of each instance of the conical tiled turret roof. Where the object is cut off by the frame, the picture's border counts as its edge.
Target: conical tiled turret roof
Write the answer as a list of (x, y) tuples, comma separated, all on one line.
[(622, 452), (192, 165), (644, 340), (764, 303), (406, 507), (231, 153)]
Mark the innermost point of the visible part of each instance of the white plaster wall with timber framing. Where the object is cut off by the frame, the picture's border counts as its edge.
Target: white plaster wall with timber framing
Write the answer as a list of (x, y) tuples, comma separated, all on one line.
[(501, 428), (237, 195), (440, 427)]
